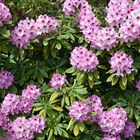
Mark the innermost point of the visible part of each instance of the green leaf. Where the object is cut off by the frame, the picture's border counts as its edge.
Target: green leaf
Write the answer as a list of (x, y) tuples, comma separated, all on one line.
[(91, 83), (43, 73), (121, 85), (132, 138), (70, 70), (80, 77), (71, 122), (46, 52), (71, 36), (42, 113), (114, 80), (40, 79), (110, 78), (99, 52), (90, 76), (2, 132), (81, 126), (65, 134), (76, 130), (50, 134), (86, 137), (4, 32), (57, 108), (96, 75), (131, 77), (67, 100), (137, 133), (80, 39), (53, 52), (54, 96), (14, 89), (58, 46), (93, 113), (4, 48), (45, 42), (109, 72), (37, 109), (124, 80)]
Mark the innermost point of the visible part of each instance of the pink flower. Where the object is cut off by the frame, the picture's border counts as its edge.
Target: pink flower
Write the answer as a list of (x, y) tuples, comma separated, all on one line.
[(29, 29), (117, 11), (6, 79), (113, 121), (70, 5), (10, 104), (129, 130), (121, 63), (88, 23), (136, 4), (57, 81), (105, 39), (5, 15), (20, 129), (95, 105), (111, 137), (130, 29), (32, 92), (29, 97), (4, 120), (83, 60), (79, 111), (46, 24), (37, 124), (23, 33)]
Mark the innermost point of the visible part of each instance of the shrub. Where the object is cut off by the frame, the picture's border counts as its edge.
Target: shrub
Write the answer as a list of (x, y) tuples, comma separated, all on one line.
[(69, 69)]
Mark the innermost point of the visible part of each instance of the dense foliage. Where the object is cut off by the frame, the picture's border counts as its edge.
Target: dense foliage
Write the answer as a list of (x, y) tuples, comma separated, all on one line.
[(69, 69)]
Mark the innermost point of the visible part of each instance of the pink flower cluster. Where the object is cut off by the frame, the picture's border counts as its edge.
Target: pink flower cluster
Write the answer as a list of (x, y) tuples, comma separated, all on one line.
[(130, 29), (111, 137), (21, 128), (83, 60), (124, 14), (23, 33), (95, 105), (57, 81), (6, 79), (117, 11), (13, 105), (88, 23), (46, 24), (70, 5), (105, 39), (10, 104), (5, 15), (113, 121), (80, 111), (121, 63), (129, 130), (29, 29), (136, 5), (29, 97)]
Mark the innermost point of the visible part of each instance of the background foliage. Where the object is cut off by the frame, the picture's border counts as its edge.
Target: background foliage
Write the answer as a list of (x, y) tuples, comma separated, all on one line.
[(51, 54)]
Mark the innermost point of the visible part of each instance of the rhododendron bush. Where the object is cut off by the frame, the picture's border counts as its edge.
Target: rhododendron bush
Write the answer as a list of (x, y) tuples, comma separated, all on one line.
[(69, 69)]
